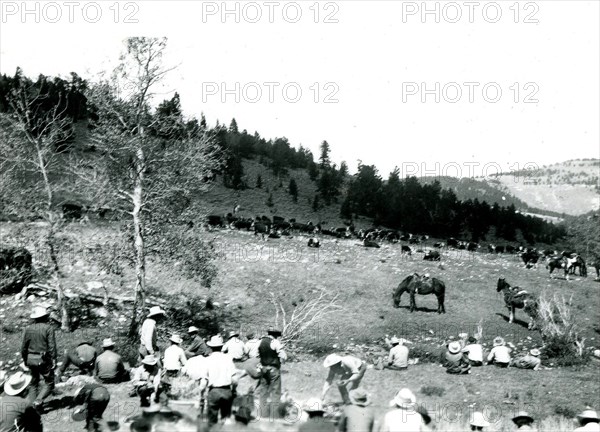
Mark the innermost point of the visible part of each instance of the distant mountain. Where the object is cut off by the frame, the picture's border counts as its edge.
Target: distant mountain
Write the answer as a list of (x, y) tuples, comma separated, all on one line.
[(571, 187)]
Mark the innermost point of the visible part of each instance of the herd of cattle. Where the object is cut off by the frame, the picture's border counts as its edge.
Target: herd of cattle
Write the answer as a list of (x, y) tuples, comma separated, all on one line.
[(277, 227)]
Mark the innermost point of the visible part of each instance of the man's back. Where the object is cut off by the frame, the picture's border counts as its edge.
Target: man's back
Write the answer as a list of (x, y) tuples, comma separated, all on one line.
[(356, 418), (39, 338), (15, 410), (108, 365), (399, 356), (85, 352), (399, 420)]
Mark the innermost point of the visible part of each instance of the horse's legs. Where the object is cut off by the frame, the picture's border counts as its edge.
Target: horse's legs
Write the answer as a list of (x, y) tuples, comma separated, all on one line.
[(511, 314), (413, 304)]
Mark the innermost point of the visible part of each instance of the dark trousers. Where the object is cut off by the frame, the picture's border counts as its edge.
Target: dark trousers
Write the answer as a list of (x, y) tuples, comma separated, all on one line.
[(219, 400), (71, 358), (97, 404), (123, 377), (42, 381), (269, 388)]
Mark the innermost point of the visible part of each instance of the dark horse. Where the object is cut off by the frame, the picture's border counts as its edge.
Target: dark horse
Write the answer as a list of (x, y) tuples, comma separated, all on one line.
[(423, 285), (516, 298)]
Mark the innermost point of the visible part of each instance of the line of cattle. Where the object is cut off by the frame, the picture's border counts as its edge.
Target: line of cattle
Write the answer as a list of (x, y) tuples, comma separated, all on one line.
[(278, 227)]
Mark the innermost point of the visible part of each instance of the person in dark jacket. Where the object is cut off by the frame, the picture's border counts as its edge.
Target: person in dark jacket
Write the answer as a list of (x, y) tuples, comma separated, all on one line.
[(95, 399), (271, 354), (455, 361), (83, 356), (198, 345), (38, 350), (17, 414)]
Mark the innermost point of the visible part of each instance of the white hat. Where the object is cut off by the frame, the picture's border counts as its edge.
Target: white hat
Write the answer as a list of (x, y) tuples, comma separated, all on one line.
[(176, 338), (535, 352), (403, 399), (150, 360), (332, 359), (155, 310), (499, 341), (108, 342), (313, 405), (479, 420), (394, 340), (16, 383), (39, 312), (588, 413), (215, 341), (193, 329), (454, 347)]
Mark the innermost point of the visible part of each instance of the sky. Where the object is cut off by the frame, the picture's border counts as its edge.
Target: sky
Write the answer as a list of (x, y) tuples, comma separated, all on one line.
[(437, 88)]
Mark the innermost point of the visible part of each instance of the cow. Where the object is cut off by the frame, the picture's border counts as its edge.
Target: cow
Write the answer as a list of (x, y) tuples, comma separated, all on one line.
[(370, 244), (241, 224), (72, 211), (432, 256), (278, 220), (405, 250), (414, 240), (405, 237), (510, 249), (472, 246), (261, 228), (215, 221), (314, 242), (452, 242), (439, 245), (342, 232), (499, 249), (492, 248), (530, 257)]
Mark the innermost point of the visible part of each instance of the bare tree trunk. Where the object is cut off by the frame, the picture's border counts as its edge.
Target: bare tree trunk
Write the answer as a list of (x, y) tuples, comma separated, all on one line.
[(140, 254)]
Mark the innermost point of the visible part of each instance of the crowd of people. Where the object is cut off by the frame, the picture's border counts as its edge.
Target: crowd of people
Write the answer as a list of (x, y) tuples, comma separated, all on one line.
[(217, 365)]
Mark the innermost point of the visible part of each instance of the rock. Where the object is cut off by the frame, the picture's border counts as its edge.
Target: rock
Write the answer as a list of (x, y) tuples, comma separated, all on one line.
[(31, 298), (94, 285), (100, 312)]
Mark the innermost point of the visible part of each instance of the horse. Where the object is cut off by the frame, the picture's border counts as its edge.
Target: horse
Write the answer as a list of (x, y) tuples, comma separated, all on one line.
[(577, 262), (557, 262), (596, 265), (423, 285), (516, 298)]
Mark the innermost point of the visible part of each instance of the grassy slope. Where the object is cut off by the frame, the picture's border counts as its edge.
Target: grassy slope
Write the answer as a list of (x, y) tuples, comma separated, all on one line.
[(364, 278)]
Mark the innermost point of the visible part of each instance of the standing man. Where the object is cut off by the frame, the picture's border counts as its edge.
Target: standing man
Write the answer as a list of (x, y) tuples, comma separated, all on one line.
[(109, 365), (16, 412), (82, 356), (234, 347), (148, 345), (198, 345), (38, 350), (220, 378), (351, 371), (271, 354)]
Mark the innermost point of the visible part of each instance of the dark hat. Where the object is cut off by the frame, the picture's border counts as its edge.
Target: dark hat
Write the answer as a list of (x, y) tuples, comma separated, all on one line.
[(274, 332)]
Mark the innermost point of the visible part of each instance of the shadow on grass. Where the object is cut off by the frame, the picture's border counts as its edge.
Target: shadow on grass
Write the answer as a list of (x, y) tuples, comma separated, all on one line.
[(419, 309), (522, 323)]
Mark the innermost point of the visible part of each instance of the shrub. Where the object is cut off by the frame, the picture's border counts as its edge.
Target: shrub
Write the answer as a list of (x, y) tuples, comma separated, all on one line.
[(432, 390)]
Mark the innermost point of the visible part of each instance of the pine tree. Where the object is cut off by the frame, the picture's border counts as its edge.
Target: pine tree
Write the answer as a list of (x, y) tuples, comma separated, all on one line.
[(202, 121), (315, 204), (233, 127), (313, 172), (324, 159), (259, 182), (293, 189)]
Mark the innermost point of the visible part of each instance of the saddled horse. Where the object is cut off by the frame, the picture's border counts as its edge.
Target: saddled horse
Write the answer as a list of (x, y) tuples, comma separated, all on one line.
[(596, 265), (569, 261), (577, 262), (423, 285), (517, 298), (556, 262)]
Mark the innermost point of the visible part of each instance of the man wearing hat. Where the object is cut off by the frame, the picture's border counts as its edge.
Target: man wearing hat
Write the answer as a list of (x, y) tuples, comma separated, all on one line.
[(500, 354), (316, 420), (220, 379), (271, 354), (351, 371), (174, 357), (474, 351), (198, 345), (531, 360), (358, 416), (251, 346), (146, 379), (478, 422), (148, 345), (523, 421), (94, 398), (398, 357), (588, 421), (38, 350), (234, 347), (109, 365), (454, 360), (82, 356), (16, 411), (405, 417)]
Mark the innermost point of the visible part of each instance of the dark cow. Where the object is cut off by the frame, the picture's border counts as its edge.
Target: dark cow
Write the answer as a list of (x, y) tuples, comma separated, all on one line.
[(510, 249), (472, 246), (241, 224), (261, 228), (414, 240), (499, 249), (273, 234), (278, 220), (314, 242), (16, 265), (439, 245), (452, 242), (405, 237), (370, 244), (530, 257), (432, 256), (342, 232), (406, 250), (492, 248), (215, 221), (72, 211)]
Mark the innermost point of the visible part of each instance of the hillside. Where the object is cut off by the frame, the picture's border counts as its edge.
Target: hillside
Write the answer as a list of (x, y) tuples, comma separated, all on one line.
[(570, 187)]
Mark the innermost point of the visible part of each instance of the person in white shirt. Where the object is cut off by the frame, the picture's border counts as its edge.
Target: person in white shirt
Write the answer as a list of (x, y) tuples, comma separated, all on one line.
[(405, 417), (251, 346), (234, 347), (474, 352), (174, 358), (220, 377), (500, 354), (351, 371), (588, 421), (148, 344)]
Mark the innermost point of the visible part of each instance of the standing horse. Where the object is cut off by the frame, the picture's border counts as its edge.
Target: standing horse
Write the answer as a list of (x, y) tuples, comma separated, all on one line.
[(516, 298), (423, 285), (557, 262)]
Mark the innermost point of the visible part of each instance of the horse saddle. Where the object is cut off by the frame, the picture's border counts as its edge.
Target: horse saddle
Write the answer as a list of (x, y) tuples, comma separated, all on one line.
[(520, 293)]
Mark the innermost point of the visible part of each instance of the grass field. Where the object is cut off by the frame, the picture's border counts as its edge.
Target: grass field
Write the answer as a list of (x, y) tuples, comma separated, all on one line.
[(250, 268)]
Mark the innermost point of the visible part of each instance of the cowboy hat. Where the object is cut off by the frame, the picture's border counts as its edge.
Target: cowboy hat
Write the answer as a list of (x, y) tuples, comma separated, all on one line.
[(472, 339), (454, 347), (107, 343), (359, 397), (39, 312), (193, 329), (403, 399), (499, 341), (150, 360), (535, 352), (3, 376), (80, 414), (215, 341), (588, 413), (332, 359), (313, 405), (274, 332), (155, 310), (16, 383), (394, 340), (479, 420), (232, 333), (176, 339), (522, 415)]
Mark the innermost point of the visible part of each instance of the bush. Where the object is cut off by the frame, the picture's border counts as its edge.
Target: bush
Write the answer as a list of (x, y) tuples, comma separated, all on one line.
[(432, 390)]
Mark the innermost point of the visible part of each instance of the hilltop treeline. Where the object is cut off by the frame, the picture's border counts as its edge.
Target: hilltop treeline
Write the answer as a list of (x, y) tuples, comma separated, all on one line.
[(404, 204)]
